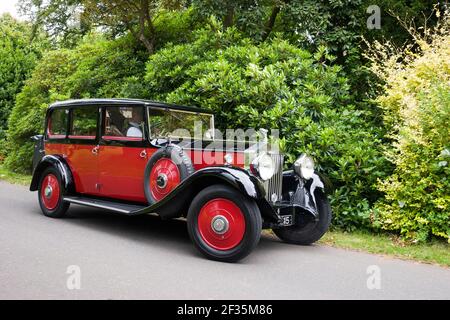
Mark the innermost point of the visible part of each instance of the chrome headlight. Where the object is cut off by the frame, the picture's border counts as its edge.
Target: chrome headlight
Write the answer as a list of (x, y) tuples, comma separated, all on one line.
[(263, 166), (304, 166)]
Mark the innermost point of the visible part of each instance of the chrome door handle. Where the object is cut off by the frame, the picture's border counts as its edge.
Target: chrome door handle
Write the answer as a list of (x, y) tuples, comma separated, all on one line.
[(143, 154), (95, 150)]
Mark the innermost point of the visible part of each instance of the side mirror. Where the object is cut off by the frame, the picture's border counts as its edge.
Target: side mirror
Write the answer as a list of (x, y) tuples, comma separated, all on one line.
[(37, 137)]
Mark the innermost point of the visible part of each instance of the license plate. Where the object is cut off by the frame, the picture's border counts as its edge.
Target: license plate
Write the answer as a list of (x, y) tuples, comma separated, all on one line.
[(287, 220)]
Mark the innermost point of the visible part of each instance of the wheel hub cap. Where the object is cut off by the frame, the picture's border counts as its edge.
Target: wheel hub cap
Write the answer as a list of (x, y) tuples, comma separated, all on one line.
[(164, 177), (220, 224), (48, 192), (161, 181)]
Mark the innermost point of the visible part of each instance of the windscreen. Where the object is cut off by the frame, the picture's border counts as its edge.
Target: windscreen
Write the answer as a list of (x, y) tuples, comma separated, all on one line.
[(179, 124)]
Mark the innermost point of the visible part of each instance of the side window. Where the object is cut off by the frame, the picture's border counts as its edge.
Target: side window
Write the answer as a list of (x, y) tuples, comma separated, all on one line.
[(84, 123), (159, 121), (57, 124), (124, 123)]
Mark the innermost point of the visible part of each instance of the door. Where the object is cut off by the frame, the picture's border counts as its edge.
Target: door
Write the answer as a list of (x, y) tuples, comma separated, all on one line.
[(82, 150), (123, 153)]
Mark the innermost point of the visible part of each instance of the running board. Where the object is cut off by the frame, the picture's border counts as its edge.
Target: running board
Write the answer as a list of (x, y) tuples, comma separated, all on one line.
[(123, 208)]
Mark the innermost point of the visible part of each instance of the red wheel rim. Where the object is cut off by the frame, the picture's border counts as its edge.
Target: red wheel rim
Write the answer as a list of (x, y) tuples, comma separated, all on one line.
[(164, 177), (221, 224), (50, 191)]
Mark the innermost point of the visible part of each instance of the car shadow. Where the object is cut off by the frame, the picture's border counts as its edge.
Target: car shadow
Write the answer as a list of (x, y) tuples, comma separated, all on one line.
[(141, 226), (152, 230)]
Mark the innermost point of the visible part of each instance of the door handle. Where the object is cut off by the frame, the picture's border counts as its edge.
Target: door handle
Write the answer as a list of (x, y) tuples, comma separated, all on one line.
[(143, 154), (95, 150)]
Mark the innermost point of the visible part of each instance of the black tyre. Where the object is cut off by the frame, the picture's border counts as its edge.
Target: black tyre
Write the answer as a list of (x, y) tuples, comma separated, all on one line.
[(223, 224), (307, 231), (50, 194), (165, 169)]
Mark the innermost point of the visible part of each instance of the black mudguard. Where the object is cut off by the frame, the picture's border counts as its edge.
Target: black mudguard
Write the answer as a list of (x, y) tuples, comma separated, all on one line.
[(59, 163), (177, 202), (302, 193)]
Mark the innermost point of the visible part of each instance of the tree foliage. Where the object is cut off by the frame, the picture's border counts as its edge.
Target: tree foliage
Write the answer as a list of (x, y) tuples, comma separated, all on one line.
[(66, 21), (137, 17), (95, 68), (18, 56), (60, 19)]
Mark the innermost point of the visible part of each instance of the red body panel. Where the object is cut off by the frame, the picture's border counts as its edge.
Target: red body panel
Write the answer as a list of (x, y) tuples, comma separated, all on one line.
[(121, 172), (203, 159), (82, 162), (118, 172)]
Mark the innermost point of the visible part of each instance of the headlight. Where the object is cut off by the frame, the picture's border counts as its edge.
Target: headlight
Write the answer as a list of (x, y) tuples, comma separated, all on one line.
[(304, 167), (263, 166)]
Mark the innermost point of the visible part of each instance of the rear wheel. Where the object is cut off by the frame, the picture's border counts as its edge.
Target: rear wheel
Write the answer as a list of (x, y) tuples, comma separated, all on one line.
[(307, 231), (223, 224), (51, 193)]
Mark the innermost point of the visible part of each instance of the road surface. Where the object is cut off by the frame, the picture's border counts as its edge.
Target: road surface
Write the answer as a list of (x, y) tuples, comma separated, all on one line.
[(119, 257)]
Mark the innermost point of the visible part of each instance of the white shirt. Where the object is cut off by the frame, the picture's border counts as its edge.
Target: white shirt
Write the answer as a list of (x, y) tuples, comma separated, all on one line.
[(134, 132)]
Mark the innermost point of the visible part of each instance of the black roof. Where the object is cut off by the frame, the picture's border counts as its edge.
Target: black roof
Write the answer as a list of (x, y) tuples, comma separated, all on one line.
[(122, 102)]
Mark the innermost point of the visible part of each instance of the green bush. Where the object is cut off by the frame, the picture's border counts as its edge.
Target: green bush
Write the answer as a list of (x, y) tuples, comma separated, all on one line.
[(417, 109), (96, 68), (277, 85), (17, 59), (174, 26)]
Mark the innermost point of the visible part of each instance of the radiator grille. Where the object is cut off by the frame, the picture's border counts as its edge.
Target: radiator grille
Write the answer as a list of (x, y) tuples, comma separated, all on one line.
[(274, 185)]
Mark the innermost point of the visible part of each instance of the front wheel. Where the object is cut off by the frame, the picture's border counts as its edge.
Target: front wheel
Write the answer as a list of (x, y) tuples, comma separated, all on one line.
[(307, 231), (50, 194), (223, 224)]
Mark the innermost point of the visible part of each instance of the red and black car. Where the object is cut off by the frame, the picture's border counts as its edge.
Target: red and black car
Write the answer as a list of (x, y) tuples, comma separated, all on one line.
[(138, 157)]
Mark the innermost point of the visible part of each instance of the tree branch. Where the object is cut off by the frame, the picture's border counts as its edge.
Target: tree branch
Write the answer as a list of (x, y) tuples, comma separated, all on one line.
[(271, 22), (145, 18), (228, 20)]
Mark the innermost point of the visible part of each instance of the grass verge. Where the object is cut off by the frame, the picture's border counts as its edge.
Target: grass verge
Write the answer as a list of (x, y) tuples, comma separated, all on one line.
[(434, 252), (11, 177)]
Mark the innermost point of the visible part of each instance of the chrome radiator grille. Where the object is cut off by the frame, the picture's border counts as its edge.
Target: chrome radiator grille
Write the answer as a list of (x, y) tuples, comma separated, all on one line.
[(274, 185)]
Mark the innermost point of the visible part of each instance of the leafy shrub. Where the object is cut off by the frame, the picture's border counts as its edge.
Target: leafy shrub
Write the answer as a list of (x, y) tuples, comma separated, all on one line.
[(17, 59), (96, 68), (276, 85), (174, 26), (417, 110)]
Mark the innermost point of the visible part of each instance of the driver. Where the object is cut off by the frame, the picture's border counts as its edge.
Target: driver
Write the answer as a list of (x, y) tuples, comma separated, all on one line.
[(135, 124)]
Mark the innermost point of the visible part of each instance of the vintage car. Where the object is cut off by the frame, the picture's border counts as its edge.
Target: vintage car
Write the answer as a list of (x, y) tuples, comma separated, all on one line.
[(125, 156)]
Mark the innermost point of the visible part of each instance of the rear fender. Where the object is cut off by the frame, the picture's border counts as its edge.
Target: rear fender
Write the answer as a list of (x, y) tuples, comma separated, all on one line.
[(58, 163)]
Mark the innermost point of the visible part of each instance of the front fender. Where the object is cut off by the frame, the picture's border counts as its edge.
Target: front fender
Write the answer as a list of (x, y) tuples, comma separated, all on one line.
[(177, 202), (303, 193), (60, 164)]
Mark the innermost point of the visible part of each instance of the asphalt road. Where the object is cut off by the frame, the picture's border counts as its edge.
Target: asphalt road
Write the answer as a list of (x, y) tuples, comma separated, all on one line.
[(146, 258)]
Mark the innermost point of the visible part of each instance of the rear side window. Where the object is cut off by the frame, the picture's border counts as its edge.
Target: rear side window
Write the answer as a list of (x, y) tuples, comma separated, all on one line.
[(124, 123), (57, 124), (84, 123)]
